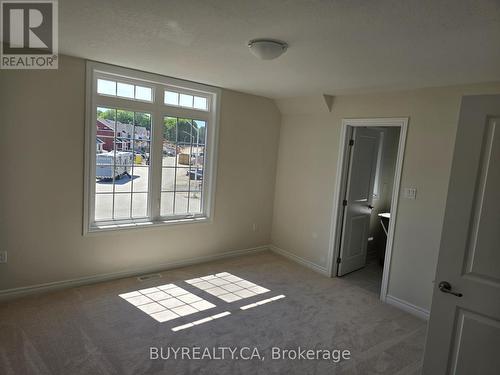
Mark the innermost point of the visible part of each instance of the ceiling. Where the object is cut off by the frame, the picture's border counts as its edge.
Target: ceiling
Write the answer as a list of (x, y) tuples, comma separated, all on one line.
[(336, 46)]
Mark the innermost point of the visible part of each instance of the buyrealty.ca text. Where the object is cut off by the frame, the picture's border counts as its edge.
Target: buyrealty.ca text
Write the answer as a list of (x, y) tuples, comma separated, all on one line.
[(246, 353)]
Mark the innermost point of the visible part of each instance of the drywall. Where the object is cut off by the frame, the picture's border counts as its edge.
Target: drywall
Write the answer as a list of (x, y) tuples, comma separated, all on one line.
[(309, 143), (41, 194)]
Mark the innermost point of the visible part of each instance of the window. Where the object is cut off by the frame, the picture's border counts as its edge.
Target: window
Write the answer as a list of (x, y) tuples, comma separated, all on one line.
[(122, 164), (150, 152), (124, 90), (182, 166), (186, 100)]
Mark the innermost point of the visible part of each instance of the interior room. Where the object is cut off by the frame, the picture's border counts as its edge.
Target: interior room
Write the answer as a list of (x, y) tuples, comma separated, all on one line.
[(265, 187)]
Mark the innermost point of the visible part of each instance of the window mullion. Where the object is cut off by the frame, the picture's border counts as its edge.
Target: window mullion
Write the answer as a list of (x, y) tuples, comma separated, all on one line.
[(91, 159), (156, 159)]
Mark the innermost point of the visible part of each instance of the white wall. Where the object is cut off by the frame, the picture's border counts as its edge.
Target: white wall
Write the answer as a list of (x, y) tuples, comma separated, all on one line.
[(41, 194), (307, 158)]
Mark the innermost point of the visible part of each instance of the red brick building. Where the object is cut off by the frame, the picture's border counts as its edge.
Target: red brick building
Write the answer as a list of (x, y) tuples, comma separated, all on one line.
[(105, 135)]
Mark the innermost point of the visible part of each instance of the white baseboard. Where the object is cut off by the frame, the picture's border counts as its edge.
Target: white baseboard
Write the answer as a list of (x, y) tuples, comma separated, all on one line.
[(408, 307), (40, 288), (299, 260)]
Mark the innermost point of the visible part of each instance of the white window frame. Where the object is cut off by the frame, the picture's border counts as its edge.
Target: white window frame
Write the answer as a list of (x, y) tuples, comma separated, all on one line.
[(158, 110)]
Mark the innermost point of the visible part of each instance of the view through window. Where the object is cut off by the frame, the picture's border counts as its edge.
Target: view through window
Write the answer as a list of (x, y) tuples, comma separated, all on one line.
[(123, 145), (182, 166)]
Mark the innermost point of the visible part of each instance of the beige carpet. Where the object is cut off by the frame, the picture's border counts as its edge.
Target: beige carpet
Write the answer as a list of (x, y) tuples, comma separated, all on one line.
[(92, 330)]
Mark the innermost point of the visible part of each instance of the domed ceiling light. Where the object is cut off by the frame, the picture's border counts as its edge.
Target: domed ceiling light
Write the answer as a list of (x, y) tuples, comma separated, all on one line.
[(267, 49)]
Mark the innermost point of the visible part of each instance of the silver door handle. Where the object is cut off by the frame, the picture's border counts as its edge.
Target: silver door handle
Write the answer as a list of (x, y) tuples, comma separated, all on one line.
[(445, 287)]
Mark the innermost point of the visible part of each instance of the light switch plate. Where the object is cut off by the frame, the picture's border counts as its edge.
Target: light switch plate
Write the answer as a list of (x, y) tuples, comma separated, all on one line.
[(3, 257), (410, 193)]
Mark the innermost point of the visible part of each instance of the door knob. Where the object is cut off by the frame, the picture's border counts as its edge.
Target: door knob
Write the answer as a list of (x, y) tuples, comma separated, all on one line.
[(370, 207), (445, 287)]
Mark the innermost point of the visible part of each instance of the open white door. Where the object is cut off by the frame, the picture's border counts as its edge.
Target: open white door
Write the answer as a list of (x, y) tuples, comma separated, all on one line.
[(358, 199), (464, 327)]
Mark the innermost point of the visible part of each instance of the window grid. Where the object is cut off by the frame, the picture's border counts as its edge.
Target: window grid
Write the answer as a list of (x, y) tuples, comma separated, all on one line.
[(175, 162), (133, 163), (120, 91), (180, 145), (188, 100), (114, 163), (133, 149), (190, 162), (107, 87)]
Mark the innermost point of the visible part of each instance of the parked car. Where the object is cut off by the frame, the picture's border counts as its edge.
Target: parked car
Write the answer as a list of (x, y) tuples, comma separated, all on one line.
[(169, 150), (197, 158), (195, 174)]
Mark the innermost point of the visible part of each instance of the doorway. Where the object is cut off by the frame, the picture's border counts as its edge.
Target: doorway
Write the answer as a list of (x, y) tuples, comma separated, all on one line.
[(365, 204)]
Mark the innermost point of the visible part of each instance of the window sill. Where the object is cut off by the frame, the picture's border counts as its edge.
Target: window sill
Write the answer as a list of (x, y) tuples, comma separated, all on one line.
[(103, 228)]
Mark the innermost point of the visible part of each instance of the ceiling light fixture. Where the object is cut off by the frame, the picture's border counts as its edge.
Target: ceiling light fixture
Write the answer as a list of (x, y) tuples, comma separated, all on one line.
[(267, 49)]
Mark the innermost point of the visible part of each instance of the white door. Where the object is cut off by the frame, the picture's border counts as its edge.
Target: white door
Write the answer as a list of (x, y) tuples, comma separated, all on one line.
[(358, 199), (464, 329)]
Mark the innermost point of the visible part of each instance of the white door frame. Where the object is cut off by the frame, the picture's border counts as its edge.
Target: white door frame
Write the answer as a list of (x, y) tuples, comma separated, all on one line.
[(335, 229)]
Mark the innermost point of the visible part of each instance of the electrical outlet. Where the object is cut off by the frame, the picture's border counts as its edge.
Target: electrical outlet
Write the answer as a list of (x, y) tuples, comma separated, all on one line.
[(3, 256), (410, 193)]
